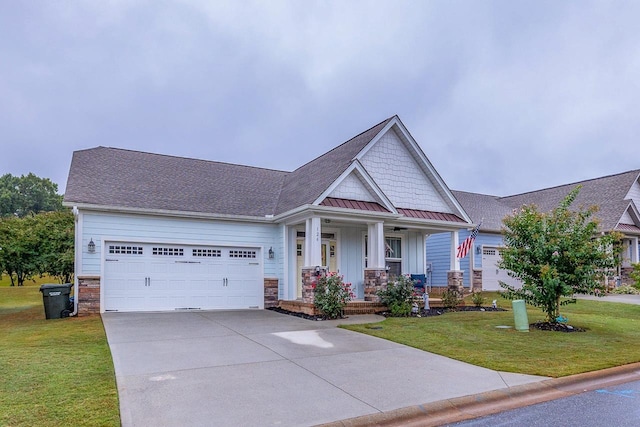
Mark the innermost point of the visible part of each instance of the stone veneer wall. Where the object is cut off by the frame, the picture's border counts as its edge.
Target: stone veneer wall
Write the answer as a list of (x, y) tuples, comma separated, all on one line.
[(476, 282), (454, 280), (374, 280), (270, 293), (88, 295), (625, 279), (309, 280)]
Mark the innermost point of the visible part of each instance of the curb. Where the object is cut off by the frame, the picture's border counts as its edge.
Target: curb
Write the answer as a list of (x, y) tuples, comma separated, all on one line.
[(491, 402)]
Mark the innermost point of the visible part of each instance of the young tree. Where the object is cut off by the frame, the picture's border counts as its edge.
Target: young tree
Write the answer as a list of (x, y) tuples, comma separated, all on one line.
[(556, 254)]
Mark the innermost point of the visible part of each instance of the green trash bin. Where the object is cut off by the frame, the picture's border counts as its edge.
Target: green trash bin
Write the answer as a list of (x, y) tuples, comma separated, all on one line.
[(520, 315), (56, 300)]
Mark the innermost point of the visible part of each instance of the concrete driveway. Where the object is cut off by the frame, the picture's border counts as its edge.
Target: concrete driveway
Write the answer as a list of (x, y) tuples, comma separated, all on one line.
[(262, 368)]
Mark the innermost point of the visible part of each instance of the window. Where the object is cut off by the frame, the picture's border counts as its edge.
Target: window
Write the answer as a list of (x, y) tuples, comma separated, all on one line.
[(215, 253), (392, 254), (165, 251), (242, 254), (125, 250)]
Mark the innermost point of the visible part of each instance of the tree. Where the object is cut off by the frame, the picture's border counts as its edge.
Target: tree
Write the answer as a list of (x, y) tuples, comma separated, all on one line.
[(556, 254), (55, 234), (19, 256), (21, 196), (37, 244)]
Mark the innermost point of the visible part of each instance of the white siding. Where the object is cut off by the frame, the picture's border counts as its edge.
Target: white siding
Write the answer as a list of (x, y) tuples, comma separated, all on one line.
[(626, 218), (400, 177), (352, 188), (414, 253), (634, 193), (352, 258), (147, 228)]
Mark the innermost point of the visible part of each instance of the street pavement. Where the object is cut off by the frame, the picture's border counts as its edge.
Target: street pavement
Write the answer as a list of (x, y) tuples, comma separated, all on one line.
[(610, 406)]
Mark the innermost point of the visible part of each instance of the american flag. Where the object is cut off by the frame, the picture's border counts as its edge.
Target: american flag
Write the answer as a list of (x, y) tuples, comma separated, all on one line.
[(464, 247)]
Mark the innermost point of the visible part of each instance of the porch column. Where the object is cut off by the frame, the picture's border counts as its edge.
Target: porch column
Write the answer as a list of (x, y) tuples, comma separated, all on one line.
[(375, 275), (375, 246), (634, 250), (455, 275), (313, 243), (454, 261)]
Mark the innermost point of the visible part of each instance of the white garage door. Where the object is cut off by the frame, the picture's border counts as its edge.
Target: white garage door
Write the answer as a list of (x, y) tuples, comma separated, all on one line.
[(156, 277), (491, 274)]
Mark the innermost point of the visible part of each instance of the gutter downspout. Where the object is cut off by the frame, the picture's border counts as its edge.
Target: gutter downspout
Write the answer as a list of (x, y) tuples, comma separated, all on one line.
[(75, 262)]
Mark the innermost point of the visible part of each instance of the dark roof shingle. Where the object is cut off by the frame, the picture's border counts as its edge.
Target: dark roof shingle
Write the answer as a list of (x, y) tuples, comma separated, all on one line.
[(133, 179)]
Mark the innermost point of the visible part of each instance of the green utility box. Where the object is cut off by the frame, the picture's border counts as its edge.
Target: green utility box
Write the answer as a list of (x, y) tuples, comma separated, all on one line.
[(520, 315), (56, 300)]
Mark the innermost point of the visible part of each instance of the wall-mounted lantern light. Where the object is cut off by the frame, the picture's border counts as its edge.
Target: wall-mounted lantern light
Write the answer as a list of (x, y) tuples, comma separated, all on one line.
[(318, 271), (478, 250), (91, 247), (272, 254)]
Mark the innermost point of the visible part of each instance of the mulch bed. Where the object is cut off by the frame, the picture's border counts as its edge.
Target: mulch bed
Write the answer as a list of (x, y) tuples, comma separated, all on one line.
[(423, 313), (543, 326), (557, 327)]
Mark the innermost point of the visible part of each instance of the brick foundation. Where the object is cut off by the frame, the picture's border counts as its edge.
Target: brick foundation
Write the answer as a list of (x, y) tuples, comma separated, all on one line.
[(375, 279), (352, 308), (88, 295), (270, 293)]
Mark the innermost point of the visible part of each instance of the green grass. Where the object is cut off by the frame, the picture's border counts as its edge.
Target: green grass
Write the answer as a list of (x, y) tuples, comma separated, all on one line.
[(6, 281), (53, 372), (612, 338)]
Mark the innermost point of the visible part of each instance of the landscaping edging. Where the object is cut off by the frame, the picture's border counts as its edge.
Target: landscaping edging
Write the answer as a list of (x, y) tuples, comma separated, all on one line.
[(482, 404)]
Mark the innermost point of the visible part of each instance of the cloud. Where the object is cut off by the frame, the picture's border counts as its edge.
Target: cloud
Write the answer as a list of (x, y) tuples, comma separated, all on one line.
[(503, 97)]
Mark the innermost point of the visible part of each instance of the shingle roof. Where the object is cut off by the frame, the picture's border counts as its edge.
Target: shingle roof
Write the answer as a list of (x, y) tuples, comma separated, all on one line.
[(483, 206), (306, 184), (608, 193), (133, 179)]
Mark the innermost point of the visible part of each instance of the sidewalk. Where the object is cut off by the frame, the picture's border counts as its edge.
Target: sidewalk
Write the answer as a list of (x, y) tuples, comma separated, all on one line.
[(482, 404)]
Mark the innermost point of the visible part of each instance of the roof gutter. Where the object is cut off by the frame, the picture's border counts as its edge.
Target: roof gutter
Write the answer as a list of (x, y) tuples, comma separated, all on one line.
[(171, 213)]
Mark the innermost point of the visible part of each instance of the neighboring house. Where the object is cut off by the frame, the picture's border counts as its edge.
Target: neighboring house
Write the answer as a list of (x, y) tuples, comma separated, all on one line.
[(156, 232), (617, 198)]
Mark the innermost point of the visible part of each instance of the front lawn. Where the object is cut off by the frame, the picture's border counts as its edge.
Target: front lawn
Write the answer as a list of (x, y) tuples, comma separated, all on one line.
[(53, 372), (612, 338)]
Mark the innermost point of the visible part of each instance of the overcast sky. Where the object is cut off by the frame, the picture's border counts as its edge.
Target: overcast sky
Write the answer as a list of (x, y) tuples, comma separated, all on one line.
[(503, 96)]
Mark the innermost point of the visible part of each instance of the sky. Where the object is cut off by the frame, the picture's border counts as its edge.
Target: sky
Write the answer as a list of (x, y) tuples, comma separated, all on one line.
[(503, 97)]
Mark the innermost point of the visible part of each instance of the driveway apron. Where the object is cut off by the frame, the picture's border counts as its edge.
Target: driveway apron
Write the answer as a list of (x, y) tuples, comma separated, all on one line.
[(262, 368)]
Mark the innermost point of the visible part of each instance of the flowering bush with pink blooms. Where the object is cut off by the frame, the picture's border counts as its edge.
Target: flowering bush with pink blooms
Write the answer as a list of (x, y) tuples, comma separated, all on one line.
[(331, 295)]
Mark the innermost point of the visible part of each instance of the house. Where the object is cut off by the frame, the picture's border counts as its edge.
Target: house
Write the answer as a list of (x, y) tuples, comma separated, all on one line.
[(617, 197), (156, 232)]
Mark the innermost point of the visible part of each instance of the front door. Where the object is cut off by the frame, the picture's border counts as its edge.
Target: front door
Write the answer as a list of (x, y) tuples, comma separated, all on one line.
[(329, 259)]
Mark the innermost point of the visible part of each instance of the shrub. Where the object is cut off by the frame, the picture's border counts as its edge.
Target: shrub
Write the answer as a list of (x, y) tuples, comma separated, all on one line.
[(451, 298), (478, 299), (331, 294), (635, 275), (397, 296), (626, 290)]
